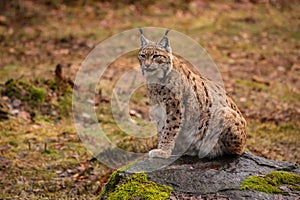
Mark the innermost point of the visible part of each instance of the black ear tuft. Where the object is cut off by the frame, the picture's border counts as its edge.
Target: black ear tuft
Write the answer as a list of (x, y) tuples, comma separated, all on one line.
[(141, 31), (167, 31)]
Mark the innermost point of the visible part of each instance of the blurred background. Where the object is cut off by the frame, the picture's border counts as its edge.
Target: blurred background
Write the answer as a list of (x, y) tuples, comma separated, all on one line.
[(255, 44)]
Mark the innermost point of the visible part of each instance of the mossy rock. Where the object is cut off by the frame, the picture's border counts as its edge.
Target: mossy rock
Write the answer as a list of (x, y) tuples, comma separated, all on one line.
[(135, 186), (272, 182), (194, 178)]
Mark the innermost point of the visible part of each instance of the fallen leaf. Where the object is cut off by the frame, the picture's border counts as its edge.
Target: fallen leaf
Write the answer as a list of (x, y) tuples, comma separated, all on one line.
[(260, 80), (24, 115)]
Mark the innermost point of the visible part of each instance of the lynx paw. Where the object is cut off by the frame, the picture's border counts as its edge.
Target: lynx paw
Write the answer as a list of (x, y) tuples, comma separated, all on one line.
[(159, 153)]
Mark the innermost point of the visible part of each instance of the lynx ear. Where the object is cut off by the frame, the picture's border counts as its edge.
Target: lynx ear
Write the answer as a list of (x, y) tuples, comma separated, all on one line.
[(144, 41), (165, 43)]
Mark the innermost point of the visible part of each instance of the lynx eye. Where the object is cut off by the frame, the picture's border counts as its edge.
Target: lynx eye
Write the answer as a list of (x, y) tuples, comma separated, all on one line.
[(142, 56), (156, 56)]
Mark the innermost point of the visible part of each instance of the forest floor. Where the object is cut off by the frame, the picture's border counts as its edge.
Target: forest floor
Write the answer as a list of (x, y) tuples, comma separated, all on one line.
[(255, 46)]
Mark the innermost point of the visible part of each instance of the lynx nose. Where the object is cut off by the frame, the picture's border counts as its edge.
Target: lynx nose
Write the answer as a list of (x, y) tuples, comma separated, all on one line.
[(147, 63), (147, 66)]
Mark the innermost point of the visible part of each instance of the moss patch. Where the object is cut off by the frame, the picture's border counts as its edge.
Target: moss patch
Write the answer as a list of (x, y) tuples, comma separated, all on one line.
[(52, 98), (17, 89), (271, 183), (138, 185), (114, 180), (251, 85)]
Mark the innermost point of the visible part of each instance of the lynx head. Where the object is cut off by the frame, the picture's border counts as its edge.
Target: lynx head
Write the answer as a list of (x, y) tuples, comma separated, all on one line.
[(155, 58)]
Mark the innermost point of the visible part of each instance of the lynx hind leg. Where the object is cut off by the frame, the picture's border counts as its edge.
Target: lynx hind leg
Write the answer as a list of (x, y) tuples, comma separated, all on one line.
[(233, 136)]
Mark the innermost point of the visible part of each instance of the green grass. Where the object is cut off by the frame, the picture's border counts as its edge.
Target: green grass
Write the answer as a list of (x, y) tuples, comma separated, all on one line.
[(274, 141), (251, 85)]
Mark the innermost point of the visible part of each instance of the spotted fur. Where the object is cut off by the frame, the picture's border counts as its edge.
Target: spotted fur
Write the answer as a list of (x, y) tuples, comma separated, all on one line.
[(192, 113)]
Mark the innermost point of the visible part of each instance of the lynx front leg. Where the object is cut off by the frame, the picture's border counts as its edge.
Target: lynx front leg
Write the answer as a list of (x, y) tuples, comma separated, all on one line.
[(166, 143), (168, 131), (161, 153)]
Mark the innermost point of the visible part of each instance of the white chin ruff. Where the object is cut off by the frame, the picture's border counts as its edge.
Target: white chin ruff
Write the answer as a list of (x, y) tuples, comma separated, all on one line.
[(157, 74)]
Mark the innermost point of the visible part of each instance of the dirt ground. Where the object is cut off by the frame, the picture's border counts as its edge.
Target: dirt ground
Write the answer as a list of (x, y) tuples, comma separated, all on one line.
[(255, 44)]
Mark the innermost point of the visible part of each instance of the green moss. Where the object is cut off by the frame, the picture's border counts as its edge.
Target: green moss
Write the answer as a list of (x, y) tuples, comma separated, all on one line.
[(64, 101), (65, 104), (295, 187), (138, 185), (271, 183), (41, 119), (13, 143), (251, 85), (272, 136), (10, 70), (114, 180), (33, 96), (52, 84), (295, 35), (134, 186), (287, 95), (24, 91), (49, 151)]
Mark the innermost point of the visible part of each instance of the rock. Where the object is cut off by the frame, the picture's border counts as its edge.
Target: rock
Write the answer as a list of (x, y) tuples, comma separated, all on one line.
[(16, 103), (192, 178)]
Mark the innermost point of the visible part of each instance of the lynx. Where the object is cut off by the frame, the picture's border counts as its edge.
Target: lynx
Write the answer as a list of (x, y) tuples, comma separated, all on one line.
[(190, 110)]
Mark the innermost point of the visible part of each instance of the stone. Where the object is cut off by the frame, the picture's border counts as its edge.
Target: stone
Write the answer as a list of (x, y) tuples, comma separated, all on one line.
[(192, 178)]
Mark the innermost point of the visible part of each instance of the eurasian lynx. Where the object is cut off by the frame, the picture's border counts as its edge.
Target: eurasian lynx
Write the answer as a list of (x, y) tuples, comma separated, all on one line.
[(184, 102)]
